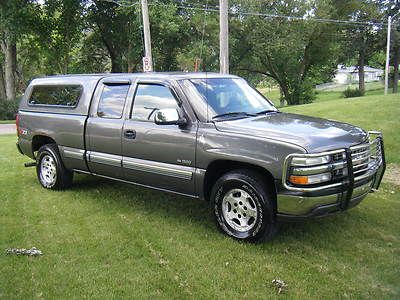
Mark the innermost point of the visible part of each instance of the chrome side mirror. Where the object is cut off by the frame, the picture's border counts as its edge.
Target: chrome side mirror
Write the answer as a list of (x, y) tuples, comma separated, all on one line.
[(168, 116)]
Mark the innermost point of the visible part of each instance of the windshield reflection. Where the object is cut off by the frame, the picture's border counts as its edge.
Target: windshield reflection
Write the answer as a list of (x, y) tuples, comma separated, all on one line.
[(230, 97)]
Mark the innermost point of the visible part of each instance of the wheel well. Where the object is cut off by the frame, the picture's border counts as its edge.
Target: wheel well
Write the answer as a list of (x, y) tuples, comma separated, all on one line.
[(219, 167), (40, 140)]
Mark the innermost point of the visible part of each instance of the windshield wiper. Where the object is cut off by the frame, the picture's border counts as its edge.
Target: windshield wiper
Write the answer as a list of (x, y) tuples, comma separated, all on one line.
[(266, 111), (237, 113)]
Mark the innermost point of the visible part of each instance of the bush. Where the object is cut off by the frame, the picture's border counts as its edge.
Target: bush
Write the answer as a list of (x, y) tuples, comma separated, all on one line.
[(350, 93), (300, 93), (8, 109)]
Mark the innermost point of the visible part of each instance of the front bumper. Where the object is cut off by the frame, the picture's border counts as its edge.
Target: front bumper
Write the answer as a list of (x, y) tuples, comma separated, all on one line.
[(299, 204)]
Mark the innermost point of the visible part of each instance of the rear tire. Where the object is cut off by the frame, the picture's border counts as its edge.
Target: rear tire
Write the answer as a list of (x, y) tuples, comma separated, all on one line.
[(50, 169), (244, 206)]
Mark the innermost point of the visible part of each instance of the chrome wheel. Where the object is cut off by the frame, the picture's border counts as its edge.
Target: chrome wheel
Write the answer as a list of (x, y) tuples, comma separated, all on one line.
[(239, 210), (48, 170)]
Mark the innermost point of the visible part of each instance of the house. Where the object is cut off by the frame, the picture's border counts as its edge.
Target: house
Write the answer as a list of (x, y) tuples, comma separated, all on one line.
[(345, 75)]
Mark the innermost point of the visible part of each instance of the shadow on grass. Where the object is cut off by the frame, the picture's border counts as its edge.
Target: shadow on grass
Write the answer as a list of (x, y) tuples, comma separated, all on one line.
[(181, 210)]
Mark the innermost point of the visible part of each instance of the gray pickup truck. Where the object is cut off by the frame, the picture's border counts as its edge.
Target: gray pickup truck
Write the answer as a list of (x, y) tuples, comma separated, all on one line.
[(201, 135)]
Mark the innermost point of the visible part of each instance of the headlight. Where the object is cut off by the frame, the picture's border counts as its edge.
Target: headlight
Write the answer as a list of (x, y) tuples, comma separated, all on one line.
[(310, 161), (314, 169)]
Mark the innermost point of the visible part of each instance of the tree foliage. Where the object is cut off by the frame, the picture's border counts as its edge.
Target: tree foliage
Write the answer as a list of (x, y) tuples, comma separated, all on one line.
[(296, 53), (92, 36)]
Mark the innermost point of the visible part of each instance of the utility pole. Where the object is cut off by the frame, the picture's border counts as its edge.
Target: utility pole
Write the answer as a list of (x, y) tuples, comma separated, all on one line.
[(223, 37), (387, 55), (147, 60)]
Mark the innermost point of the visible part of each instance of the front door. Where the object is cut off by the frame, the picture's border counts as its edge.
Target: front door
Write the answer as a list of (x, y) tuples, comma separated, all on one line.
[(161, 156)]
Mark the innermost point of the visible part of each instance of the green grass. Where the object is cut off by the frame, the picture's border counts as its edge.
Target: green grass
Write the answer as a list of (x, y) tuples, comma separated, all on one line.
[(372, 88), (7, 121), (103, 239)]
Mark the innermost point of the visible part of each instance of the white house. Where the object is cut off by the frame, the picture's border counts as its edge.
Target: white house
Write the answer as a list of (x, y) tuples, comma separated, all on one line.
[(345, 75)]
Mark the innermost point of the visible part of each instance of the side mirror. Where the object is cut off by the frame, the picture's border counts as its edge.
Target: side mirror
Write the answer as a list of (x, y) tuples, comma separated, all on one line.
[(168, 116)]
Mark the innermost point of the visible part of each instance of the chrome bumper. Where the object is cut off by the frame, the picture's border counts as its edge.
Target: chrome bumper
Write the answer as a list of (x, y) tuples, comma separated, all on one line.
[(305, 203), (294, 205)]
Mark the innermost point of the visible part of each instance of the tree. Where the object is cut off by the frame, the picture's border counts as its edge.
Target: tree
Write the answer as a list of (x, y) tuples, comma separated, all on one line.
[(17, 17), (59, 32), (394, 8), (9, 30), (396, 60), (120, 30), (362, 41), (112, 24), (293, 52), (203, 44)]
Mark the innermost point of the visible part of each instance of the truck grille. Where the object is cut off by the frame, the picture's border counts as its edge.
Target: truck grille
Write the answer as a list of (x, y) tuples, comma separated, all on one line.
[(363, 157), (360, 158)]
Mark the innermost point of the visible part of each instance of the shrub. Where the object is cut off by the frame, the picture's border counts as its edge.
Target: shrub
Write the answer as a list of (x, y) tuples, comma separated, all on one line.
[(8, 109), (350, 93)]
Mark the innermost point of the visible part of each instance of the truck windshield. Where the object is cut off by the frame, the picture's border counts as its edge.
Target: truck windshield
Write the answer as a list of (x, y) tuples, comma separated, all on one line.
[(231, 98)]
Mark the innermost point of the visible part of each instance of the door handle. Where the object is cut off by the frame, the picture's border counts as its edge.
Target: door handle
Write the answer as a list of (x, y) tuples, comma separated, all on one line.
[(130, 134)]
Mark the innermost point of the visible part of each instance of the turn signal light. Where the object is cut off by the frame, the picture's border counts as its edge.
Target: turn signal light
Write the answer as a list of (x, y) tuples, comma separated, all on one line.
[(298, 179)]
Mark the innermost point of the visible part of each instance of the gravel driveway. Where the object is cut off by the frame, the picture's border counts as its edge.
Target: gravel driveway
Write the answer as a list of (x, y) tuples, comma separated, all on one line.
[(7, 129)]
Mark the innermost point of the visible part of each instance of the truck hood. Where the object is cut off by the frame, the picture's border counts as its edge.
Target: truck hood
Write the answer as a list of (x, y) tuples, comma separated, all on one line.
[(313, 134)]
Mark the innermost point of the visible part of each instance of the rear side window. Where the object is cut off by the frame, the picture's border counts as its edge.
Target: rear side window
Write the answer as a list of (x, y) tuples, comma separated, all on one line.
[(112, 101), (57, 95)]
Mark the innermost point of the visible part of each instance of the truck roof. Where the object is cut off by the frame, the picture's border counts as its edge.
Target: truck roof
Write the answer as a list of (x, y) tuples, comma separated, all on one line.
[(160, 75), (88, 82)]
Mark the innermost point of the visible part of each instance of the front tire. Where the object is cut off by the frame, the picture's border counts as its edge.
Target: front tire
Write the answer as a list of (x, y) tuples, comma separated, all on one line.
[(50, 170), (244, 206)]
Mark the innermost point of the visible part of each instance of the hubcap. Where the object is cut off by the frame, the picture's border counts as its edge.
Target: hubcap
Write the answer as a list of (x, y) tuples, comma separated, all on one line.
[(48, 171), (239, 210)]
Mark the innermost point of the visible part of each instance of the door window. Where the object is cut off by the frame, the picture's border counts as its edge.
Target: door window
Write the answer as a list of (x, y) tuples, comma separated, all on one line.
[(112, 101), (149, 98)]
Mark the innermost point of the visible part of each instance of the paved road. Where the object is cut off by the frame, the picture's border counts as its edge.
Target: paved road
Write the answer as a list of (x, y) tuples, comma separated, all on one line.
[(7, 129)]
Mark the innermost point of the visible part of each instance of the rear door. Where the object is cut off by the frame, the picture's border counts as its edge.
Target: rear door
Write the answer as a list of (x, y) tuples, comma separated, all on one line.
[(104, 127), (161, 156)]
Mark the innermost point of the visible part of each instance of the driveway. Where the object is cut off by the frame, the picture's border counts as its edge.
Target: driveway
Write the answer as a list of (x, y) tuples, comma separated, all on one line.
[(8, 129)]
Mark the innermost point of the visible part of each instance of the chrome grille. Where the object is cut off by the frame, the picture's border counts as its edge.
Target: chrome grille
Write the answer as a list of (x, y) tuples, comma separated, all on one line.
[(360, 156), (337, 157)]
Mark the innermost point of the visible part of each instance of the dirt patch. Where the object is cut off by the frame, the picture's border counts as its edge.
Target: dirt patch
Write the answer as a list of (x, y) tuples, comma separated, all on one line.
[(392, 174)]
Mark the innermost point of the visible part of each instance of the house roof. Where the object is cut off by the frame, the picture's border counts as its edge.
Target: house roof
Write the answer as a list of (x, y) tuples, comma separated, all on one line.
[(354, 69)]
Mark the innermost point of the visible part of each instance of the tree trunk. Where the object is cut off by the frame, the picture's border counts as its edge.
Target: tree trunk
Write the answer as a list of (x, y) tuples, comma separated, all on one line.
[(286, 94), (129, 57), (281, 98), (10, 63), (2, 86), (396, 61), (115, 66), (361, 74)]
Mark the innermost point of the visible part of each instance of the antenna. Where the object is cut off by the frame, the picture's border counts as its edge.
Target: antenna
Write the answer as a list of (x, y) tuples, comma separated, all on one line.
[(202, 36)]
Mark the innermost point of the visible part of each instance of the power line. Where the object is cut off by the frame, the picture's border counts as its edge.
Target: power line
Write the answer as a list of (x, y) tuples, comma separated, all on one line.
[(123, 3), (215, 9), (289, 18)]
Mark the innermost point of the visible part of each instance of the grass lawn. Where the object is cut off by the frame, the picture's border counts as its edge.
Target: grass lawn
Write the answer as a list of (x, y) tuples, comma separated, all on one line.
[(372, 88), (103, 239), (7, 121)]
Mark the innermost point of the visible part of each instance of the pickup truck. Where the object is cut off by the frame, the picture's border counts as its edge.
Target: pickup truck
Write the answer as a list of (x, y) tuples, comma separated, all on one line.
[(201, 135)]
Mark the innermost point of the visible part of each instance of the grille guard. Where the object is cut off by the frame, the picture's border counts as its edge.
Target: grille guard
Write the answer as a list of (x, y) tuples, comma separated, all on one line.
[(376, 170)]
